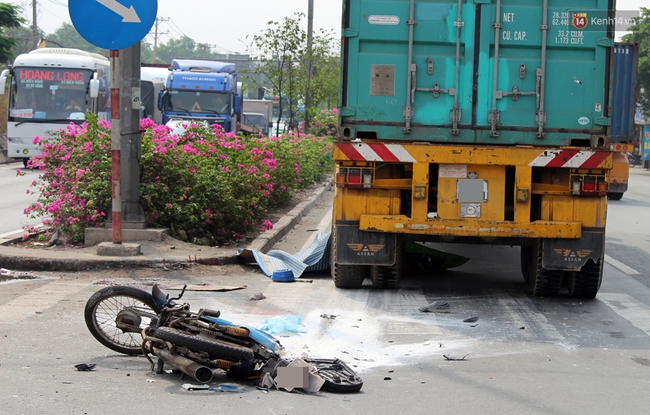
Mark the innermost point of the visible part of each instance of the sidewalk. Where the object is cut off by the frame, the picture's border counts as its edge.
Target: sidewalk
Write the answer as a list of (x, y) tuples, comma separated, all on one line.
[(168, 251)]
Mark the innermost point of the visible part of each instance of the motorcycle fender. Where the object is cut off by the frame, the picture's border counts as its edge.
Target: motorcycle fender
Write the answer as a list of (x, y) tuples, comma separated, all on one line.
[(259, 336), (572, 254), (356, 247)]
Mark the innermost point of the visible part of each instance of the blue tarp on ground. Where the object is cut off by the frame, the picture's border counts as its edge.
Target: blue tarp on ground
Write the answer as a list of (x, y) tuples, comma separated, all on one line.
[(316, 257)]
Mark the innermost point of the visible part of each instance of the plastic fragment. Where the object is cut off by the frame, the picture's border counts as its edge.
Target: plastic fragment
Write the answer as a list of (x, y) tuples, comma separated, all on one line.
[(257, 296), (471, 320), (289, 323), (191, 387), (436, 307), (85, 367), (227, 388), (454, 359)]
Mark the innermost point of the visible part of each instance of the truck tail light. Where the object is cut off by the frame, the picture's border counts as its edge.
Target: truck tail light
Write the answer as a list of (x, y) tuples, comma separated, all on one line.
[(354, 177), (589, 185)]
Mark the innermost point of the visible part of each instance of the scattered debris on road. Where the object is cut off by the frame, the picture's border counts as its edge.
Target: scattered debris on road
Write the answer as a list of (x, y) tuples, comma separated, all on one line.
[(454, 359), (436, 307)]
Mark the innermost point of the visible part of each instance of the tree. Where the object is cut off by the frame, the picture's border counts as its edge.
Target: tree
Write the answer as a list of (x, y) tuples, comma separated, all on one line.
[(278, 54), (184, 47), (322, 84), (285, 66), (67, 36), (641, 34), (9, 18)]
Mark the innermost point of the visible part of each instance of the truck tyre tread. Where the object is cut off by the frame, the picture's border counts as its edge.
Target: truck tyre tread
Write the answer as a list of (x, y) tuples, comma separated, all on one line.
[(614, 195), (545, 283), (348, 276), (586, 282)]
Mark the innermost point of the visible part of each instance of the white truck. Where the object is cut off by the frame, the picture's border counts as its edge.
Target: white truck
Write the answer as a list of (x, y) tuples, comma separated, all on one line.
[(257, 116)]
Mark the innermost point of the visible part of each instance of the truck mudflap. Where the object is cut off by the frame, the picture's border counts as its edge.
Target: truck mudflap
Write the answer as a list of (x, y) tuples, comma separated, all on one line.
[(356, 247), (572, 254)]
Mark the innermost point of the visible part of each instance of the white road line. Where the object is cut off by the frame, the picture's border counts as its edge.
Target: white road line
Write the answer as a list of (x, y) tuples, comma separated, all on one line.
[(324, 226), (38, 300), (621, 266), (627, 307)]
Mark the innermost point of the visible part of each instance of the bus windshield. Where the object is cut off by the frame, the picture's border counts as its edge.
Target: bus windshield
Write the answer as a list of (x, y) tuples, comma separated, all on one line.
[(49, 93), (197, 101)]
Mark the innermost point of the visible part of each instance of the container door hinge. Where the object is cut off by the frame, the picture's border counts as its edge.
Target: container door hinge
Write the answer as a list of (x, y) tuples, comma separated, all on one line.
[(540, 120), (602, 121), (494, 118), (350, 32), (606, 42), (347, 112), (455, 116)]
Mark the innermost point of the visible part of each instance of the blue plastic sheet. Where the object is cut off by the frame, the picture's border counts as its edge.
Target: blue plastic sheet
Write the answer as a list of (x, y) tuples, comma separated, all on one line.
[(316, 257), (283, 324)]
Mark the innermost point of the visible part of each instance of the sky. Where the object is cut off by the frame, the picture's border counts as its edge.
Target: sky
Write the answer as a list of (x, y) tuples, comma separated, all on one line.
[(223, 24), (211, 22)]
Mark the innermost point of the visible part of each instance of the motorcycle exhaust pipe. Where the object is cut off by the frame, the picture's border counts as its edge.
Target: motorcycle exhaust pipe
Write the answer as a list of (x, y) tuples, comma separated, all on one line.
[(196, 370)]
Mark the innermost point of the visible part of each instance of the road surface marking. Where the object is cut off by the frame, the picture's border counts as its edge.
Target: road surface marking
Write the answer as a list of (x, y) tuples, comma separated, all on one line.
[(324, 226), (621, 266), (38, 300), (627, 307)]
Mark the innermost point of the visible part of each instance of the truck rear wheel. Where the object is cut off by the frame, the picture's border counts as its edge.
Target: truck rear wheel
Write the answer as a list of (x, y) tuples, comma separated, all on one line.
[(527, 258), (545, 283), (586, 282), (348, 276), (614, 195), (388, 276)]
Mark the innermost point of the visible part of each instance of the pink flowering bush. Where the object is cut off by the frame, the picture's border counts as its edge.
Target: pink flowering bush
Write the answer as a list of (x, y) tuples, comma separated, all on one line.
[(324, 123), (204, 182)]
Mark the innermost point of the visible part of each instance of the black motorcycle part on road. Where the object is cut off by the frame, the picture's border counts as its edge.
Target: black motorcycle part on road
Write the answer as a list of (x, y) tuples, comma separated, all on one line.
[(217, 349), (337, 375), (120, 305)]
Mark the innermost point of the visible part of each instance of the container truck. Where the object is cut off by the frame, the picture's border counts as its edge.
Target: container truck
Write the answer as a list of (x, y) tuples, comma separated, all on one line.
[(257, 116), (203, 91), (623, 130), (482, 121)]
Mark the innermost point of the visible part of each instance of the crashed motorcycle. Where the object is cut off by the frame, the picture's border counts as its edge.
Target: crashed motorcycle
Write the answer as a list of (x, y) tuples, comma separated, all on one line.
[(131, 321)]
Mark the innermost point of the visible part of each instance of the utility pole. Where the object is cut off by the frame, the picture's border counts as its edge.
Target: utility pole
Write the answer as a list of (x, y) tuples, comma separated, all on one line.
[(310, 30), (34, 24), (156, 35)]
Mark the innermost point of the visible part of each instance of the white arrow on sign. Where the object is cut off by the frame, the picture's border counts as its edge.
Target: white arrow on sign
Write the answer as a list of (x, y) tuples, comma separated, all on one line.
[(129, 15)]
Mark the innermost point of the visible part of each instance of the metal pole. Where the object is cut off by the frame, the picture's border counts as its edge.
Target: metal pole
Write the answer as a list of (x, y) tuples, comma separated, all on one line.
[(310, 31), (34, 24), (116, 148), (131, 140)]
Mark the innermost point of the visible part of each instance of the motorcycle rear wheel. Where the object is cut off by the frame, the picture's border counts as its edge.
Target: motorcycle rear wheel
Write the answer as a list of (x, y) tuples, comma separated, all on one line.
[(127, 304), (218, 349)]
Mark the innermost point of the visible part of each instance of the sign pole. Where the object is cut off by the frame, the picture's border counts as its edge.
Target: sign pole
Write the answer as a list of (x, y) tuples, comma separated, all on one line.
[(116, 145)]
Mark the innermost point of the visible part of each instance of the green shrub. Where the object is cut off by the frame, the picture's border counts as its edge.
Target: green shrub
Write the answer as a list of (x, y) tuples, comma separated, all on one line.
[(204, 182)]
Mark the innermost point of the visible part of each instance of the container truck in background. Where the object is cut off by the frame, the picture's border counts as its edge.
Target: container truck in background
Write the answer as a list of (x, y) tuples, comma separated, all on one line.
[(257, 116), (623, 129), (482, 122), (202, 91)]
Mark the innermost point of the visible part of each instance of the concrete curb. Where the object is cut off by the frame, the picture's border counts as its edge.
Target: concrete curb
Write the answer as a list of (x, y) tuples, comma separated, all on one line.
[(74, 260)]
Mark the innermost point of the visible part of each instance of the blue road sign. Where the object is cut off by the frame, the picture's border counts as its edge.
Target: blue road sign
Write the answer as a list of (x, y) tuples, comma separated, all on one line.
[(113, 24)]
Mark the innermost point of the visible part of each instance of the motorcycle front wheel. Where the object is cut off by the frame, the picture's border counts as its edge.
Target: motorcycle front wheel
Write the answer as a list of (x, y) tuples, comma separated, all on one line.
[(115, 316)]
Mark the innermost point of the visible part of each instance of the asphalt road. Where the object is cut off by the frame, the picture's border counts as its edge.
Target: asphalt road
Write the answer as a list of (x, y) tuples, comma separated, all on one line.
[(15, 198), (522, 355)]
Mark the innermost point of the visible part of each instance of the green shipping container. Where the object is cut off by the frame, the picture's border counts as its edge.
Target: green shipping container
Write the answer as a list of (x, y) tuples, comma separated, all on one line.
[(500, 72)]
